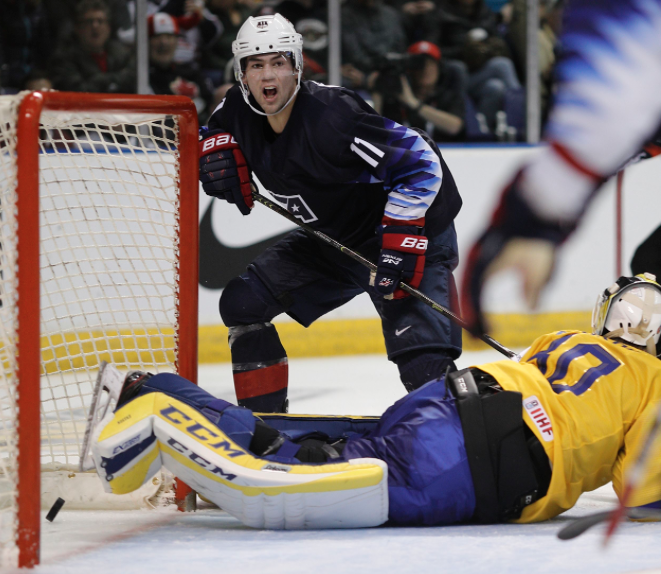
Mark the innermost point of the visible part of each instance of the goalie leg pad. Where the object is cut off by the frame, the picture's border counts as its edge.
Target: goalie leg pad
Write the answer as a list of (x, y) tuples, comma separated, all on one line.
[(157, 429), (262, 493), (125, 450)]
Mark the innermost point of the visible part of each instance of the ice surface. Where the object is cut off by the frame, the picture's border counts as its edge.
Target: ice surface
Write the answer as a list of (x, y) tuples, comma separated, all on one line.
[(166, 541)]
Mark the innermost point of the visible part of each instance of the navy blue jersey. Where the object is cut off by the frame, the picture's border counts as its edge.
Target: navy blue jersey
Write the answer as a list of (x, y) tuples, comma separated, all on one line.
[(340, 167)]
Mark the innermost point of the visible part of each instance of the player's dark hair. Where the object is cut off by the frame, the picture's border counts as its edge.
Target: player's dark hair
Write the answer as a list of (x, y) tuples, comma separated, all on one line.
[(290, 55)]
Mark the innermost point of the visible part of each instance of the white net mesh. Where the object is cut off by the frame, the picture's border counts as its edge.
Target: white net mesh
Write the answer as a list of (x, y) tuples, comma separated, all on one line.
[(108, 264), (8, 325)]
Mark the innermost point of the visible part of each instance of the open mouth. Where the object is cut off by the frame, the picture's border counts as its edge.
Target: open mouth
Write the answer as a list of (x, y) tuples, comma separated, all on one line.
[(269, 92)]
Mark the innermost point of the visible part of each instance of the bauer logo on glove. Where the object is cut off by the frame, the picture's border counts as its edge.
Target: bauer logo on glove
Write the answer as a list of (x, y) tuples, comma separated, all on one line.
[(223, 170), (214, 143), (402, 258)]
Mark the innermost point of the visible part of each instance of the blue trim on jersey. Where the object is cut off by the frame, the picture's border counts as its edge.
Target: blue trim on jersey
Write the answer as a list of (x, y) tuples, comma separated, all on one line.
[(410, 171)]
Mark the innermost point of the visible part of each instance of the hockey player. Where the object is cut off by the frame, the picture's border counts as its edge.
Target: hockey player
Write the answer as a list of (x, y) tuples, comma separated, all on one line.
[(506, 441), (606, 106), (375, 186)]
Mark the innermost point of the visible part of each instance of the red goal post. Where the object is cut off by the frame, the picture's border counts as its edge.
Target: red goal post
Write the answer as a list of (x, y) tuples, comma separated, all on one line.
[(29, 346)]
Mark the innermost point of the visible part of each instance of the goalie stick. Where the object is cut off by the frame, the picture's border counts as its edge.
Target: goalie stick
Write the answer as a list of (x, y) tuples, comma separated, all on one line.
[(106, 394), (613, 517), (372, 267)]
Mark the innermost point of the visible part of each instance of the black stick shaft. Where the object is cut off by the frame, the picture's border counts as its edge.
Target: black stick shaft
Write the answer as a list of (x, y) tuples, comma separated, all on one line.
[(367, 263)]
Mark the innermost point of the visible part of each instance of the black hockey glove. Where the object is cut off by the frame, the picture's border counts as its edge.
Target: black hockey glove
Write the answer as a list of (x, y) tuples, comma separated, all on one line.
[(223, 170), (402, 258)]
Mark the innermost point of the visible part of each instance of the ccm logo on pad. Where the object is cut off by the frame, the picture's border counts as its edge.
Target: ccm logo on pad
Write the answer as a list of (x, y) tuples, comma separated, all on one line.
[(415, 243), (221, 140)]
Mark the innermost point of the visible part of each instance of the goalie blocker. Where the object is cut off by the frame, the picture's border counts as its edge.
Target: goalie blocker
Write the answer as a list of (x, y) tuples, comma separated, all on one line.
[(358, 471)]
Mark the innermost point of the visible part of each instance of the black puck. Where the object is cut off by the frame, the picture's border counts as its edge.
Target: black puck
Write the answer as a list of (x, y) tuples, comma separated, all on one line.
[(57, 506)]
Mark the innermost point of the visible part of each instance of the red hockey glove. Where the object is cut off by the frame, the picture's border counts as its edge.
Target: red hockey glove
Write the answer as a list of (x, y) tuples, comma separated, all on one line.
[(402, 258), (223, 170)]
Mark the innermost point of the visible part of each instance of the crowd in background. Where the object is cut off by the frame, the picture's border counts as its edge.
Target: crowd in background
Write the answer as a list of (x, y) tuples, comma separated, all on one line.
[(452, 67)]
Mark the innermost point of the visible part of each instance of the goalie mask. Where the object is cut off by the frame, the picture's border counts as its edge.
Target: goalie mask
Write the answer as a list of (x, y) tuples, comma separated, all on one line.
[(630, 310), (266, 35)]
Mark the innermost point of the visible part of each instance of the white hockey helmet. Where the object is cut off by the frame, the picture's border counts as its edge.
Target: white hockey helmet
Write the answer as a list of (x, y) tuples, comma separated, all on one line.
[(630, 310), (264, 35)]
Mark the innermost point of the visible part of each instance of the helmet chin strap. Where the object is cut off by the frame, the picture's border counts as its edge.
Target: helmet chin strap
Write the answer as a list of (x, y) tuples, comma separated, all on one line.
[(246, 96)]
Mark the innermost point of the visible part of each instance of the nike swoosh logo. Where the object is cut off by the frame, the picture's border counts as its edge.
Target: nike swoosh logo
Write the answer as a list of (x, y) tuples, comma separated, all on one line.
[(398, 332), (220, 263)]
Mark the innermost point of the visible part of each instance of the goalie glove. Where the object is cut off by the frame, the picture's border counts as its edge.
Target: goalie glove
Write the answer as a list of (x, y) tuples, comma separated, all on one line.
[(402, 258), (223, 169)]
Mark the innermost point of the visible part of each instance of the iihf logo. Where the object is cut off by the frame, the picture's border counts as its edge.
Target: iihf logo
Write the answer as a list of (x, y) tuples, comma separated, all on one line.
[(262, 24), (295, 205)]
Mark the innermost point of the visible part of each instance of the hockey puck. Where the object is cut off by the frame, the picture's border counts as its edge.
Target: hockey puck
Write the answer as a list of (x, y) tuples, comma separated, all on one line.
[(57, 506)]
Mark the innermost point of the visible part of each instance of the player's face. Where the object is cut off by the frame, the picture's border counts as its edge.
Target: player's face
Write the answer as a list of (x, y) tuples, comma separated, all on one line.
[(271, 79)]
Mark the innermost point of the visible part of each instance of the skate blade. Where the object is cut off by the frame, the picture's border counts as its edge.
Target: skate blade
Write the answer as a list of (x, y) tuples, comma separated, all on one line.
[(106, 393)]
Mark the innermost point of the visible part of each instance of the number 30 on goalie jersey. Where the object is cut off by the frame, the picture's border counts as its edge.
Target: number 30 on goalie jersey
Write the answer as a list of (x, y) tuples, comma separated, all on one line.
[(601, 397)]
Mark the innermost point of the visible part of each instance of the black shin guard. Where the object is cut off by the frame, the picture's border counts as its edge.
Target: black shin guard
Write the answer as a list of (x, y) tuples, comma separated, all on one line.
[(419, 367), (259, 366)]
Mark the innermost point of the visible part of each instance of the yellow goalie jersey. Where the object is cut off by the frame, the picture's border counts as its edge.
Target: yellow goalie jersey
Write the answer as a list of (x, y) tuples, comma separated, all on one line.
[(590, 401)]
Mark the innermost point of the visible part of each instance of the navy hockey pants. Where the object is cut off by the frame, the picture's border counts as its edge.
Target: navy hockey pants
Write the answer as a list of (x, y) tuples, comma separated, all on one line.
[(306, 279)]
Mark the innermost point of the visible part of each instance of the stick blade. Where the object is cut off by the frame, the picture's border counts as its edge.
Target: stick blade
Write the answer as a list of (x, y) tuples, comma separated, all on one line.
[(580, 525)]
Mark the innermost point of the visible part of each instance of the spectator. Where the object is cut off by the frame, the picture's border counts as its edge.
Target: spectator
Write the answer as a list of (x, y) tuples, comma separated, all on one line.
[(93, 62), (432, 95), (199, 28), (469, 33), (214, 58), (420, 19), (550, 20), (370, 31), (166, 76), (25, 40), (315, 48), (62, 18)]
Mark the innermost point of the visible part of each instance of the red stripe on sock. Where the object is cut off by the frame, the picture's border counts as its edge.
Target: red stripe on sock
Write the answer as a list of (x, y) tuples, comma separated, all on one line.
[(249, 384)]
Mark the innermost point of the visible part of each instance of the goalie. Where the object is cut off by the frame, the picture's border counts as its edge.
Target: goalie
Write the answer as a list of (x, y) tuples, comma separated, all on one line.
[(508, 441)]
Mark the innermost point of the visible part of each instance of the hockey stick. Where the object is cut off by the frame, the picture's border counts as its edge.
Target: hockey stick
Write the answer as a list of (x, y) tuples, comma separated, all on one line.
[(580, 525), (372, 267)]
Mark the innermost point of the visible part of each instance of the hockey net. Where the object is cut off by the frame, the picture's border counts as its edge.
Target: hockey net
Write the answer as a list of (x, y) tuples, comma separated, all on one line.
[(101, 192)]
